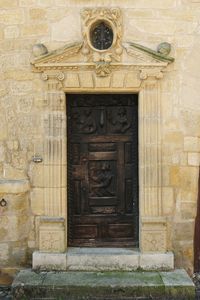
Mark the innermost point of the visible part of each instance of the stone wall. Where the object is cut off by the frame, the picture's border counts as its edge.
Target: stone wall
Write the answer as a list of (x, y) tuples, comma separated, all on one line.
[(24, 23)]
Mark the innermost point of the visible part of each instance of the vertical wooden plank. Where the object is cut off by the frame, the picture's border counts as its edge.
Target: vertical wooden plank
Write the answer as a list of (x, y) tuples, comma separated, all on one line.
[(120, 177)]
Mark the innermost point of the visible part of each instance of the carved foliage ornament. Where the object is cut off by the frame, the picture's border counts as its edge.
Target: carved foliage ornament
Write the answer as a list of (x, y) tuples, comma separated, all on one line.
[(102, 31)]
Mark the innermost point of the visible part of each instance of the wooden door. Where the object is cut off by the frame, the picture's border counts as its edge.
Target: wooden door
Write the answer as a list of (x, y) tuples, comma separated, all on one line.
[(103, 170)]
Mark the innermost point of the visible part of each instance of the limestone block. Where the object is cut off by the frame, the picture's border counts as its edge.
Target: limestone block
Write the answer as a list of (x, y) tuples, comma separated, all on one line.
[(35, 29), (187, 196), (11, 17), (17, 88), (191, 144), (184, 231), (189, 178), (154, 236), (165, 175), (60, 2), (86, 80), (18, 255), (52, 235), (168, 200), (18, 204), (102, 82), (74, 28), (118, 79), (3, 127), (193, 159), (21, 75), (174, 138), (183, 251), (9, 3), (155, 4), (14, 228), (157, 261), (132, 80), (27, 2), (37, 13), (49, 261), (11, 32), (56, 14), (191, 122), (37, 201), (102, 259), (45, 3), (14, 186), (139, 13), (4, 253), (72, 80), (188, 210), (14, 173), (167, 28), (174, 176), (2, 153), (48, 176)]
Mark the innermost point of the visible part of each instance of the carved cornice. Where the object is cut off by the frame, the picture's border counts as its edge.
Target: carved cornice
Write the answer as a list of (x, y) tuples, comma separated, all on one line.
[(155, 56), (58, 55)]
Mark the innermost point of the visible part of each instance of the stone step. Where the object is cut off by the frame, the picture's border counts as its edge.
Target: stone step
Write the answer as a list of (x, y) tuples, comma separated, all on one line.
[(72, 285), (102, 259)]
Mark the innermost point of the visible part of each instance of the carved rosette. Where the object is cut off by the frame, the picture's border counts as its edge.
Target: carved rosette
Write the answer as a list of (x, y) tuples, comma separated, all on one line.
[(102, 58)]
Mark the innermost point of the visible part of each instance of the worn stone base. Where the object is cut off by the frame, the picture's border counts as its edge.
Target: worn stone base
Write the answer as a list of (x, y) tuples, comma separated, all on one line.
[(102, 259), (103, 285)]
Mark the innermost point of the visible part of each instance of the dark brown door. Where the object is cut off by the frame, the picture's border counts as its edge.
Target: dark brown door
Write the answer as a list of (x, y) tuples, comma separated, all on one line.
[(103, 170)]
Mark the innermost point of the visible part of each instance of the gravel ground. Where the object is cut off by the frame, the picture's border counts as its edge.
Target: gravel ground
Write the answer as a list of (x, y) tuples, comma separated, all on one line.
[(5, 293)]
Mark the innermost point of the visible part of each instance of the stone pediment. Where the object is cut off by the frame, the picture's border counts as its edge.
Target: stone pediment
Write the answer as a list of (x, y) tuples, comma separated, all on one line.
[(72, 57)]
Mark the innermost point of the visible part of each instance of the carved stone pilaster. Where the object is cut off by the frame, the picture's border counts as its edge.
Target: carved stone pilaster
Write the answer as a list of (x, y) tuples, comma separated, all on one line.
[(153, 234), (54, 125), (150, 150)]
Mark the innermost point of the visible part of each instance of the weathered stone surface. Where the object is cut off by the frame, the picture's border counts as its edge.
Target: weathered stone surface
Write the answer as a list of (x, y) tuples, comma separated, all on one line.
[(104, 285), (102, 259)]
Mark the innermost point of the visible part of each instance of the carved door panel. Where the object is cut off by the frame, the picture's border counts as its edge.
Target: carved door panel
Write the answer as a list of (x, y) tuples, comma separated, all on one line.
[(103, 170)]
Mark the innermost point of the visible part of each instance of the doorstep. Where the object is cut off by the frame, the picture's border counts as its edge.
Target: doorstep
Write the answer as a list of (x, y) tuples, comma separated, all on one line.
[(102, 259), (173, 285)]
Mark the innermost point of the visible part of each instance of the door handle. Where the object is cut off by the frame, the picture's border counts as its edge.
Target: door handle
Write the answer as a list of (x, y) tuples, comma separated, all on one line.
[(84, 189), (84, 159)]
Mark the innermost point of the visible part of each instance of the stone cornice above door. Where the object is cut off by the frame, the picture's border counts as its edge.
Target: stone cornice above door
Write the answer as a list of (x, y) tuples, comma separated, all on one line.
[(135, 57)]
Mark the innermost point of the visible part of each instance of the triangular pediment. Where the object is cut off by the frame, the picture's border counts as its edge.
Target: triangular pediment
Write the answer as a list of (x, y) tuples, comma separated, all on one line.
[(61, 55), (141, 54), (73, 56)]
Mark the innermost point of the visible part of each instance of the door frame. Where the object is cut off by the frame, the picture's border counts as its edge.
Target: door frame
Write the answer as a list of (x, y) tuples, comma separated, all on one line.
[(152, 222), (69, 220)]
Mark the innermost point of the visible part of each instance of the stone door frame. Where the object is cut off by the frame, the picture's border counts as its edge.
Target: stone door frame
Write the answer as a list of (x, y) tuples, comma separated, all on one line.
[(79, 68), (52, 227)]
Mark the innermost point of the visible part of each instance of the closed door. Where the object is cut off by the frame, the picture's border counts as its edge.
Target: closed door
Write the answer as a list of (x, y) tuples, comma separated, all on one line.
[(103, 170)]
